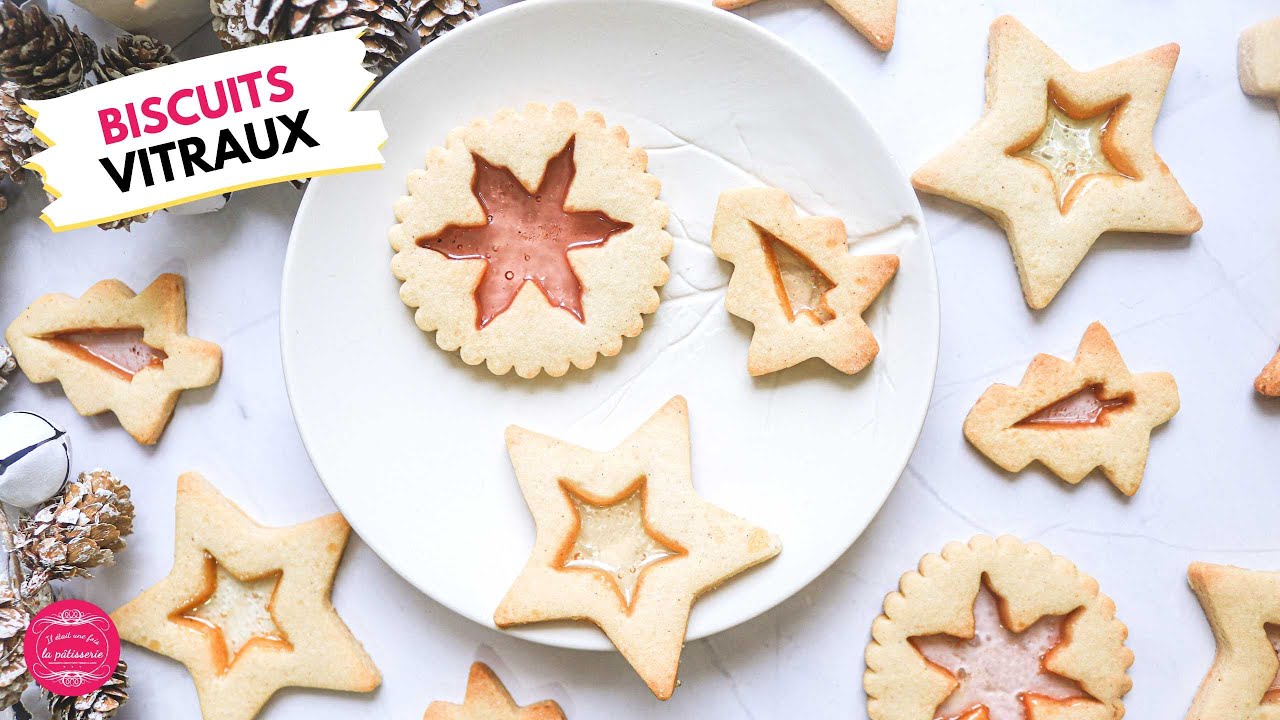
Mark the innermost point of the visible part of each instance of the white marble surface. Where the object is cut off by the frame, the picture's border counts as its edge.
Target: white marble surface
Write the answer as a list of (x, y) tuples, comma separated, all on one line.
[(1205, 308)]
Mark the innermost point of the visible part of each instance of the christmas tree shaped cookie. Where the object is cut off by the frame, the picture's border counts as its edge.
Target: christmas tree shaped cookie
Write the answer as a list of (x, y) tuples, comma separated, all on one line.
[(875, 19), (246, 608), (1075, 416), (624, 542), (488, 699), (1062, 156), (1259, 60), (1243, 609), (532, 241), (997, 630), (114, 350), (794, 279)]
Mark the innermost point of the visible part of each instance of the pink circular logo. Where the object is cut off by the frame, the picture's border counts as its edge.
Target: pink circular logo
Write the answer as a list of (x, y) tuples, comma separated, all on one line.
[(71, 648)]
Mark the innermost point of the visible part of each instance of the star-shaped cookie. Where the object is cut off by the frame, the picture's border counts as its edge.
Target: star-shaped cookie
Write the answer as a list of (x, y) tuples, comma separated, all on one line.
[(114, 350), (488, 699), (1243, 609), (1061, 156), (875, 19), (589, 544), (246, 608), (1075, 416), (1259, 59), (794, 279)]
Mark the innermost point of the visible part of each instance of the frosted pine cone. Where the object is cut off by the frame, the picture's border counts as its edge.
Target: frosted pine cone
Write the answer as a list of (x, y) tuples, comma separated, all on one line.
[(41, 53), (17, 144), (229, 25), (100, 704), (288, 19), (131, 55), (13, 666), (82, 529), (429, 19), (7, 364)]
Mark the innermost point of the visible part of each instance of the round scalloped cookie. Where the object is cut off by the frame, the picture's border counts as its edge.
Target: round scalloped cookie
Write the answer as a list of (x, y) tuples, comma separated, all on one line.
[(590, 268), (999, 601)]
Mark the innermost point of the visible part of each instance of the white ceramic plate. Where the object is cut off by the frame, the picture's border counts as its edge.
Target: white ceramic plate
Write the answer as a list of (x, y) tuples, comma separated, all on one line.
[(409, 440)]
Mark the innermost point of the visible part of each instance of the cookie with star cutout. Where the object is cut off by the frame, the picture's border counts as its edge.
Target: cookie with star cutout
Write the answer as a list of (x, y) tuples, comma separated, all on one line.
[(1074, 416), (624, 542), (246, 608), (1062, 156), (997, 629), (487, 699), (795, 281), (1259, 59), (532, 241), (117, 351), (1243, 610), (875, 19)]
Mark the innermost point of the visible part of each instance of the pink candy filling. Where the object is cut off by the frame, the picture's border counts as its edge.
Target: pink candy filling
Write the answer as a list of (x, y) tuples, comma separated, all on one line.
[(1086, 407), (997, 668), (121, 351)]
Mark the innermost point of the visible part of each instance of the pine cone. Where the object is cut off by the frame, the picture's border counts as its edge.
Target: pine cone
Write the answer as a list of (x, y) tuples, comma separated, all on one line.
[(7, 363), (17, 141), (133, 54), (41, 53), (429, 19), (287, 19), (229, 25), (97, 705), (125, 224), (13, 665), (82, 529)]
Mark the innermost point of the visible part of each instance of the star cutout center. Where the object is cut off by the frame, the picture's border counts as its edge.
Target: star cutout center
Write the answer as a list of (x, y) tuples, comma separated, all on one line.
[(614, 538), (526, 237), (235, 613), (1071, 148), (998, 669)]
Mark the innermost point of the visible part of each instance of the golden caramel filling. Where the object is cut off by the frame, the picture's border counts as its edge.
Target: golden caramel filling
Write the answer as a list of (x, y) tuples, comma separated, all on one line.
[(120, 351), (1084, 408), (613, 538), (801, 286), (998, 669), (235, 613), (1072, 149)]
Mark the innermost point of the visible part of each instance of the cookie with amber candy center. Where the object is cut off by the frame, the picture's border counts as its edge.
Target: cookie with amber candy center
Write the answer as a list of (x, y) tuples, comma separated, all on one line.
[(796, 282), (997, 629), (114, 350), (624, 541), (246, 608), (532, 241), (1074, 416), (1061, 156), (1243, 609)]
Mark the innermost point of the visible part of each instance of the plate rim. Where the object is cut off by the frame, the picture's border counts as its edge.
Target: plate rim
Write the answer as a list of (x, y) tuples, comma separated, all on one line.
[(731, 19)]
